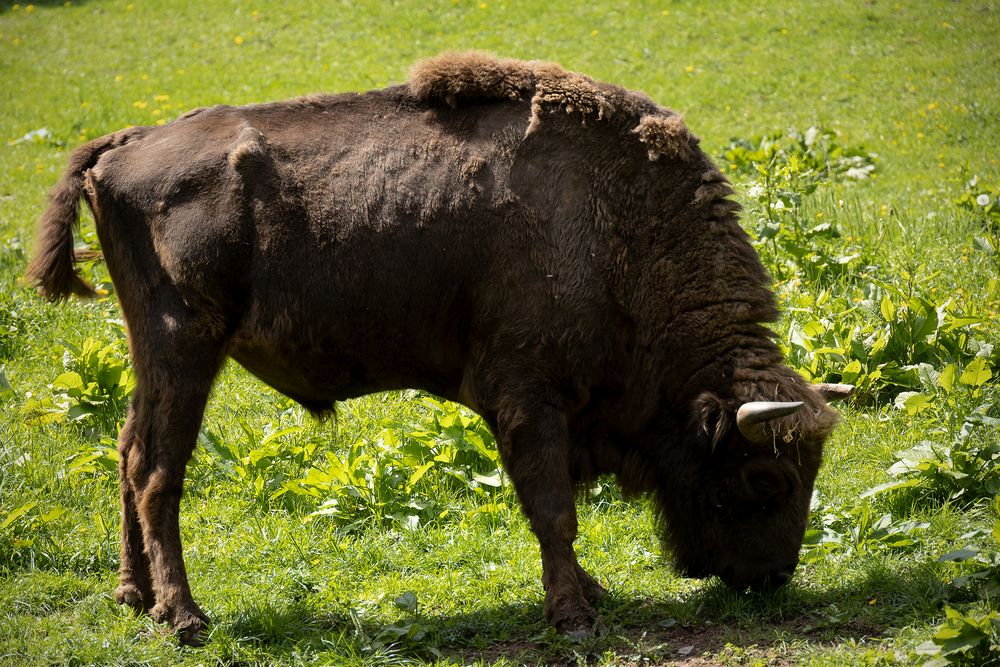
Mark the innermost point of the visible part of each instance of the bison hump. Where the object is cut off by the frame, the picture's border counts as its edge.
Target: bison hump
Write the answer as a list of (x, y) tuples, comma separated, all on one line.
[(456, 78), (249, 151)]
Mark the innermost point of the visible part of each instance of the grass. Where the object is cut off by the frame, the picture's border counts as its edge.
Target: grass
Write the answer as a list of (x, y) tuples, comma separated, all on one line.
[(913, 83)]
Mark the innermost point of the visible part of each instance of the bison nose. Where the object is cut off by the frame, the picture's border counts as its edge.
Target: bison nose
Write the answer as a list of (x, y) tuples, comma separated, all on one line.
[(780, 576), (759, 583)]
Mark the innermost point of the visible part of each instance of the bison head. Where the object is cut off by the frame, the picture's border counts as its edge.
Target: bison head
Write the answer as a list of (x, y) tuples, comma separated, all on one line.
[(735, 502)]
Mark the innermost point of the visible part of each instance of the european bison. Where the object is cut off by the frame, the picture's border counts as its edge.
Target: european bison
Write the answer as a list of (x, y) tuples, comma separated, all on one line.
[(555, 253)]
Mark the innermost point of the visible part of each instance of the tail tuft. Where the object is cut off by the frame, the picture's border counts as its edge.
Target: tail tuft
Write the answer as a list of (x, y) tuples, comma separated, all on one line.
[(53, 269)]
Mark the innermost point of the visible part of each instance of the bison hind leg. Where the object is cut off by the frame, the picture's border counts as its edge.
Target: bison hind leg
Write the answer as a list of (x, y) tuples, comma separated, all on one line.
[(135, 588)]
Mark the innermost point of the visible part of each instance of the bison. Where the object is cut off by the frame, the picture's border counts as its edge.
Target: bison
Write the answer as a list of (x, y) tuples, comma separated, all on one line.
[(556, 253)]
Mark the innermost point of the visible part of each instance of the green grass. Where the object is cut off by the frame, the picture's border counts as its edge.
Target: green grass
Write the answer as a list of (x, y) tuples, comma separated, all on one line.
[(914, 83)]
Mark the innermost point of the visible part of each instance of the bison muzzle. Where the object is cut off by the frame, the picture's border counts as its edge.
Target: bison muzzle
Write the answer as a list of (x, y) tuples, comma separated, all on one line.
[(556, 253)]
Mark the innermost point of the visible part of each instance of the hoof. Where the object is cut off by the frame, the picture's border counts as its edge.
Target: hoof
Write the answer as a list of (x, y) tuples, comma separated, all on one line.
[(190, 625), (598, 629), (578, 622), (129, 595)]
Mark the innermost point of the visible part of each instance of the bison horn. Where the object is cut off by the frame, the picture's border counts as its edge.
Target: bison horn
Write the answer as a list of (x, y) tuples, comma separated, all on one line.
[(751, 417), (833, 392)]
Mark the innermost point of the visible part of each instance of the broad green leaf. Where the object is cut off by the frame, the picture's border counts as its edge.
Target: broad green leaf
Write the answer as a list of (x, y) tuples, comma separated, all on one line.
[(976, 373), (890, 486), (418, 473), (280, 433), (18, 513), (851, 371), (493, 480), (958, 556), (69, 380), (913, 402), (110, 376), (887, 308), (407, 602), (947, 378)]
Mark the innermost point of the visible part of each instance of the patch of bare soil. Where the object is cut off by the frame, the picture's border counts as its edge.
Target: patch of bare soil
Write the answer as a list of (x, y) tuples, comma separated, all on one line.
[(694, 646)]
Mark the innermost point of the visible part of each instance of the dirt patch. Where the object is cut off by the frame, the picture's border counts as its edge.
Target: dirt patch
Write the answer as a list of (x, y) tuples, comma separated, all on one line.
[(696, 646)]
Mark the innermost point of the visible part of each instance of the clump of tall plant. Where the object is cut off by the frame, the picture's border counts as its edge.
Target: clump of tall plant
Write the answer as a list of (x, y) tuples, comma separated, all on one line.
[(778, 172), (93, 390)]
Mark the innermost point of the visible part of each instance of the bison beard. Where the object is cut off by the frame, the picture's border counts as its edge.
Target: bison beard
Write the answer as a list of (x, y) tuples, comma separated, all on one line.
[(556, 253)]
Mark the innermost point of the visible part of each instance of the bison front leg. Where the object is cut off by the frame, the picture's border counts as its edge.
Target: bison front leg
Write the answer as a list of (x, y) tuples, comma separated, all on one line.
[(534, 445)]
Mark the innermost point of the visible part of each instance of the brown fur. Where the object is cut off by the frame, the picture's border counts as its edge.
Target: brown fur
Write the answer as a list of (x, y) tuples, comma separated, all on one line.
[(552, 251), (454, 78)]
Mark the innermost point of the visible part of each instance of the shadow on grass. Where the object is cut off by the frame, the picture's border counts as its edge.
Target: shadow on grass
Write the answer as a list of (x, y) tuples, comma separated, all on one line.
[(712, 621)]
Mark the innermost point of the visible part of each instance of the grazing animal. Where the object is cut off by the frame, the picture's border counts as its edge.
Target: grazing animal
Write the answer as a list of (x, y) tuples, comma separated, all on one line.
[(555, 253)]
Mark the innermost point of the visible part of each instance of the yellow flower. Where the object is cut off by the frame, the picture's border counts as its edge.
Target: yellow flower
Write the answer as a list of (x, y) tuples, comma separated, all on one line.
[(140, 104), (129, 7), (594, 33), (161, 98), (29, 8), (483, 5), (689, 69), (119, 77), (238, 39)]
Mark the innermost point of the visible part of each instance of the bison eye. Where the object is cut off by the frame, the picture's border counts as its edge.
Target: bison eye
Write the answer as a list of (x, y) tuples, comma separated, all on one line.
[(764, 482)]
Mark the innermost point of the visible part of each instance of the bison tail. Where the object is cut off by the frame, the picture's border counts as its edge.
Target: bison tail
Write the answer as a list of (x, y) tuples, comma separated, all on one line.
[(52, 269)]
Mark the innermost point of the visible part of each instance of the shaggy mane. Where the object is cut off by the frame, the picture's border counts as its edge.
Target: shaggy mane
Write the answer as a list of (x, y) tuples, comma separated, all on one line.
[(455, 78)]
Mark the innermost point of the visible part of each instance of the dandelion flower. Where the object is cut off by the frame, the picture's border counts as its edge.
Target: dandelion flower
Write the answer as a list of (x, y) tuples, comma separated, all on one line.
[(983, 200)]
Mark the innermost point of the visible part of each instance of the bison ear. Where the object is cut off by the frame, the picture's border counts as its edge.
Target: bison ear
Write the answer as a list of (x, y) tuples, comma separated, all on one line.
[(834, 392), (712, 418)]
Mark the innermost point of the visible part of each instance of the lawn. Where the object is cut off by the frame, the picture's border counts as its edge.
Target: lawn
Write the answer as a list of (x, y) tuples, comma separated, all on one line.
[(863, 141)]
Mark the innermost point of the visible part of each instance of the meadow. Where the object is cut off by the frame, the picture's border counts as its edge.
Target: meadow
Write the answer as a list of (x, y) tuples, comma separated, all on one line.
[(862, 138)]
